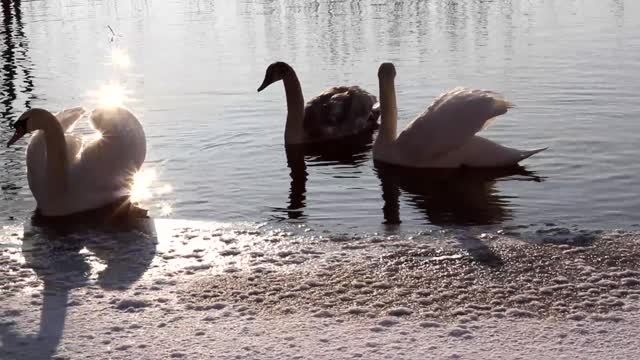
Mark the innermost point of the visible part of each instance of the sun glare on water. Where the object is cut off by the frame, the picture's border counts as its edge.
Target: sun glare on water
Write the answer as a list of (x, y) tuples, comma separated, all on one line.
[(120, 58), (111, 95), (141, 188), (166, 209), (165, 189)]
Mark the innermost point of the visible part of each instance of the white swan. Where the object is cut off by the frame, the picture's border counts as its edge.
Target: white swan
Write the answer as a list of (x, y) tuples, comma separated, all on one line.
[(67, 175), (336, 113), (444, 135)]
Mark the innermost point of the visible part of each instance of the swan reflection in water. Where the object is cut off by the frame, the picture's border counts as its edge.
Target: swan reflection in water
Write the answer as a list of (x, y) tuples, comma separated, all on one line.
[(462, 196), (351, 152), (72, 255)]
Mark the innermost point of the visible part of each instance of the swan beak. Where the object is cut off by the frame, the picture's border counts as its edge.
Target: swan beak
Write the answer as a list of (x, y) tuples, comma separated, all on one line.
[(265, 83), (16, 136)]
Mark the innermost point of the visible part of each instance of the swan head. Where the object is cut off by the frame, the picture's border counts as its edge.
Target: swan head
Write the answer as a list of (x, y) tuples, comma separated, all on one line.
[(275, 72), (26, 123), (386, 71)]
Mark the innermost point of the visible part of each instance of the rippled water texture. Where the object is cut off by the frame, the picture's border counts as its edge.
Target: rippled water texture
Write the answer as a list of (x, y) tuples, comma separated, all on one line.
[(216, 145)]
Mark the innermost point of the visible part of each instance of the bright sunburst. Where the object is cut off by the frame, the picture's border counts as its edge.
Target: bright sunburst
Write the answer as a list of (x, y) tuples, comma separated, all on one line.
[(110, 95), (141, 188), (97, 135), (145, 188), (166, 209)]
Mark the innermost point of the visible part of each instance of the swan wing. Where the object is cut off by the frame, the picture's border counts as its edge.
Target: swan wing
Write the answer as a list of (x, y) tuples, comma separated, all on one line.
[(340, 111), (104, 171), (74, 146), (69, 117), (481, 152), (451, 121)]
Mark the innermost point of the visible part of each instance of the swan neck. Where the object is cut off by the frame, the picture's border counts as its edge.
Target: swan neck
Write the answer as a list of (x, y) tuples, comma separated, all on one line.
[(294, 128), (388, 112), (57, 161)]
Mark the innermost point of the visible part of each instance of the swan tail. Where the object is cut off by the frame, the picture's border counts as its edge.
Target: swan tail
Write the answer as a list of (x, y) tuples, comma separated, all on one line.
[(481, 152), (529, 153)]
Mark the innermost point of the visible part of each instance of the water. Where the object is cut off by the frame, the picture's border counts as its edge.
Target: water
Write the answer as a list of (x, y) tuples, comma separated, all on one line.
[(572, 68), (216, 148)]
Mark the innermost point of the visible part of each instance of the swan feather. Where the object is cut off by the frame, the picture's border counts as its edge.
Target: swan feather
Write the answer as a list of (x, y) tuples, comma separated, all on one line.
[(69, 117), (111, 161), (340, 111), (479, 152), (451, 120)]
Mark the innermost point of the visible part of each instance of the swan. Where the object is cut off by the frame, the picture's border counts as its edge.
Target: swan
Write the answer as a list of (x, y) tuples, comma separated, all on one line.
[(444, 135), (336, 113), (67, 175)]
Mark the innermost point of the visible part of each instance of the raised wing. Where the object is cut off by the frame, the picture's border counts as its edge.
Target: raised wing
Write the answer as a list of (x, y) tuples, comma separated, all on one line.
[(69, 117), (107, 164), (451, 121)]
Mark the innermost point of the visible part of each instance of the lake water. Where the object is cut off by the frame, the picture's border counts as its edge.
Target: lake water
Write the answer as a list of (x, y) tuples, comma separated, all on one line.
[(571, 67)]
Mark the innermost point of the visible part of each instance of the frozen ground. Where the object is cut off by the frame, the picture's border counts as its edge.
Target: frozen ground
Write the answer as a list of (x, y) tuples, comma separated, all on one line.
[(177, 289)]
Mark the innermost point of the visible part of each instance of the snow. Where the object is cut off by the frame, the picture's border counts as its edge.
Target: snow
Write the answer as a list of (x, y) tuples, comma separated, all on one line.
[(180, 289), (232, 336)]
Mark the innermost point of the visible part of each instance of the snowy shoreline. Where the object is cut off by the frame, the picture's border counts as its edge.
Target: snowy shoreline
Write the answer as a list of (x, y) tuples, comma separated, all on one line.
[(179, 289)]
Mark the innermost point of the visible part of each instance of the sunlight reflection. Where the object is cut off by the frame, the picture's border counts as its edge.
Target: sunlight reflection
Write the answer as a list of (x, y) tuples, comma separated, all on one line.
[(93, 137), (119, 57), (141, 188), (165, 189), (166, 209), (110, 95)]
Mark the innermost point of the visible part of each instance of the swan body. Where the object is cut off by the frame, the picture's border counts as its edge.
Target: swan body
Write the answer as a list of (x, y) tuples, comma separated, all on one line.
[(336, 113), (444, 136), (68, 174)]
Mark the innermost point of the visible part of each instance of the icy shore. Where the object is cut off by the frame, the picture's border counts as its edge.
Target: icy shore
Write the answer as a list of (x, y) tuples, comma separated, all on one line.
[(177, 289)]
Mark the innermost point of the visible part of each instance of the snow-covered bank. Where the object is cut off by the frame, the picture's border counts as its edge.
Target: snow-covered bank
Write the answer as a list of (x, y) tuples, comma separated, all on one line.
[(152, 333), (170, 289)]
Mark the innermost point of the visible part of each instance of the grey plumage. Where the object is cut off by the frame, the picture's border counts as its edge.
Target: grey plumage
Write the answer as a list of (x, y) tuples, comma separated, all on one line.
[(340, 111)]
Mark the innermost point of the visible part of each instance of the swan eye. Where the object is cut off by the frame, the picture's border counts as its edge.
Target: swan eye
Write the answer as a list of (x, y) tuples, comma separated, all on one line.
[(21, 124)]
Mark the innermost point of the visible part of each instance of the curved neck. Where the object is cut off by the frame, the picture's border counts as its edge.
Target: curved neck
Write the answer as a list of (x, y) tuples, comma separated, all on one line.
[(294, 129), (57, 161), (388, 112)]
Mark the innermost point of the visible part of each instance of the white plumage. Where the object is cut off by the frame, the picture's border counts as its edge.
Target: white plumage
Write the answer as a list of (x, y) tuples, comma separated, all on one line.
[(444, 136), (98, 171)]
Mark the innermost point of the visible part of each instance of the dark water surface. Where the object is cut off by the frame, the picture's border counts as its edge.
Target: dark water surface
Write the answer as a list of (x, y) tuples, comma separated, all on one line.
[(571, 67)]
